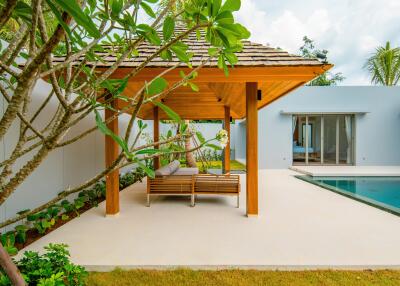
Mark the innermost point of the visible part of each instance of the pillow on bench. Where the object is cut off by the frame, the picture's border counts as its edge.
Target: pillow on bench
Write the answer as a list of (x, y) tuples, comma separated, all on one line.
[(168, 169), (186, 171)]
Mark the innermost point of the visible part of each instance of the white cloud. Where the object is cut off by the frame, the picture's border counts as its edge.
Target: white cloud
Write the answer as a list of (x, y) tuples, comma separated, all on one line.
[(350, 30)]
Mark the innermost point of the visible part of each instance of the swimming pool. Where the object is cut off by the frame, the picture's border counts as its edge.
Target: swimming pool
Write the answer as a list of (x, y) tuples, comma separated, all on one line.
[(379, 192)]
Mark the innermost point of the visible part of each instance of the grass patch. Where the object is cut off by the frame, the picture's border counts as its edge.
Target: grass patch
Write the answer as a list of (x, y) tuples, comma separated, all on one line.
[(235, 165), (188, 277)]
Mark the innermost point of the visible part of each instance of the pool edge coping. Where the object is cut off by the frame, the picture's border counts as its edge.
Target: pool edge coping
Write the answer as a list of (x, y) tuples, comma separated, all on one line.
[(381, 206)]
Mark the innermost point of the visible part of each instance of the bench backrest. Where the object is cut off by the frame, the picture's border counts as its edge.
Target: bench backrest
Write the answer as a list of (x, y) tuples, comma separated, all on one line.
[(171, 184), (217, 184)]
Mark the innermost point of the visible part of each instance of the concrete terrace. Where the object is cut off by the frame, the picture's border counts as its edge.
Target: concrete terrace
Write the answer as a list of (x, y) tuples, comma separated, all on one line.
[(300, 226)]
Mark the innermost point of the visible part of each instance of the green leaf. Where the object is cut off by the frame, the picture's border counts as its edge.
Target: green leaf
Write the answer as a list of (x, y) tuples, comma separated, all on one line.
[(59, 17), (75, 11), (92, 4), (23, 11), (147, 170), (232, 58), (170, 113), (140, 124), (213, 51), (148, 151), (166, 55), (183, 128), (157, 86), (149, 33), (151, 1), (116, 8), (235, 29), (225, 17), (180, 52), (200, 137), (104, 129), (146, 7), (168, 28), (222, 65), (213, 146), (215, 7), (11, 250), (231, 5), (193, 86), (115, 86)]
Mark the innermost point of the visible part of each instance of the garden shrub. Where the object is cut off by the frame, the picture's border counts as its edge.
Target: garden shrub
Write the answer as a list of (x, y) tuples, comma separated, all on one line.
[(53, 268)]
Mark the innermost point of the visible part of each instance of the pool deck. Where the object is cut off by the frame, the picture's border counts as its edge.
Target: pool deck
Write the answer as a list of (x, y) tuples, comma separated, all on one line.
[(300, 226), (348, 171)]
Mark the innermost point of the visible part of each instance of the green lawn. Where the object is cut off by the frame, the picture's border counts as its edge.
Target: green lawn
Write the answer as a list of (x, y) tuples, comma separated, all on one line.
[(243, 278), (235, 165)]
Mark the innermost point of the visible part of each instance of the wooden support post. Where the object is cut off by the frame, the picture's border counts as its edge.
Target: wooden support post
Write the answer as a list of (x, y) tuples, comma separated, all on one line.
[(251, 149), (112, 152), (156, 135), (227, 150)]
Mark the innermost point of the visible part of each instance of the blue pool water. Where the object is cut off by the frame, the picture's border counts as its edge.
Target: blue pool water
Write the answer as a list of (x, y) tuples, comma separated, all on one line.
[(382, 192)]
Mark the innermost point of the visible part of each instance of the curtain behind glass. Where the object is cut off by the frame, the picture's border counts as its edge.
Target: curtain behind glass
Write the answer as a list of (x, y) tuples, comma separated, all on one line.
[(347, 121)]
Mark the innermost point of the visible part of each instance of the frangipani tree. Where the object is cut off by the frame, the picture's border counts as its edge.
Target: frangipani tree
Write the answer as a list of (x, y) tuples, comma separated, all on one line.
[(384, 65), (79, 30)]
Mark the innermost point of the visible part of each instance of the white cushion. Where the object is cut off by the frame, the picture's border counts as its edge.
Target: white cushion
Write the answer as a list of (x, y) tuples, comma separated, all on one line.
[(168, 169), (186, 171)]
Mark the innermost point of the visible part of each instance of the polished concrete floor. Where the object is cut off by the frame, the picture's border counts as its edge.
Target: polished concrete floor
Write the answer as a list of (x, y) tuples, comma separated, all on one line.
[(300, 226)]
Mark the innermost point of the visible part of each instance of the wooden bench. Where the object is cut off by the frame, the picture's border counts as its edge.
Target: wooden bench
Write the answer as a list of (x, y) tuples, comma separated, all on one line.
[(171, 180), (217, 185), (172, 185)]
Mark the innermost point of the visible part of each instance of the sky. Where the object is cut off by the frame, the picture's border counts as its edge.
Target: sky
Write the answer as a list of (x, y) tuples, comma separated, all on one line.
[(349, 29)]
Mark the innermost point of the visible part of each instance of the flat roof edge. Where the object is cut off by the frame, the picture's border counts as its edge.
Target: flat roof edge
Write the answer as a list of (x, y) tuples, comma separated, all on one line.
[(322, 112)]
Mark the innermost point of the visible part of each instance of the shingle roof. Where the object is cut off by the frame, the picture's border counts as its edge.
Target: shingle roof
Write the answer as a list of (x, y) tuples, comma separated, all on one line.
[(252, 55)]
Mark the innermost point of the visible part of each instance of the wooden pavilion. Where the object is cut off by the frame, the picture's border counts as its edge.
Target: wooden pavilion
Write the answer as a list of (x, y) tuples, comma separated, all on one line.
[(262, 75)]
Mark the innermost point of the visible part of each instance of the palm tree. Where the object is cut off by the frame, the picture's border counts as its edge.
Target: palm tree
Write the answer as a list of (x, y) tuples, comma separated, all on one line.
[(384, 65)]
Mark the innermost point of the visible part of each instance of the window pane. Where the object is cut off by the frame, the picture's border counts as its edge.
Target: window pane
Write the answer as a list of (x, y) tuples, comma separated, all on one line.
[(314, 143), (345, 139), (299, 143), (330, 139)]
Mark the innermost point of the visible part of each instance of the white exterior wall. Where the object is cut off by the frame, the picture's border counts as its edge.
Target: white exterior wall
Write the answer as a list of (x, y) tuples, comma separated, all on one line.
[(64, 167), (377, 133)]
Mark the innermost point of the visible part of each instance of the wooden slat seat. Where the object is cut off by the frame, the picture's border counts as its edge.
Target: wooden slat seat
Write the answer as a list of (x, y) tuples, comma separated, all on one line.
[(193, 185), (170, 185), (217, 185)]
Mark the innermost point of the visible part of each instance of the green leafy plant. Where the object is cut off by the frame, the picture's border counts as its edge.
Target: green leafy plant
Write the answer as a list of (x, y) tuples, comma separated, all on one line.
[(8, 241), (20, 235), (51, 268)]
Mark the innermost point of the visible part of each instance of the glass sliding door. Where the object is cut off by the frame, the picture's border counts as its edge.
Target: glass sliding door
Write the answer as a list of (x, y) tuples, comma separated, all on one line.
[(322, 139), (329, 139), (314, 142), (345, 140), (299, 139)]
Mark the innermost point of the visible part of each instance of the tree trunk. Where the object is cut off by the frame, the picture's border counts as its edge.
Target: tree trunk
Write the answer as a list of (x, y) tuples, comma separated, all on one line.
[(10, 268), (190, 159)]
